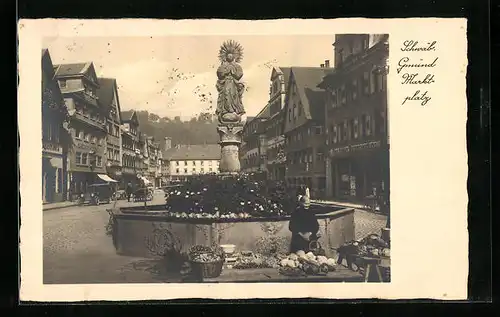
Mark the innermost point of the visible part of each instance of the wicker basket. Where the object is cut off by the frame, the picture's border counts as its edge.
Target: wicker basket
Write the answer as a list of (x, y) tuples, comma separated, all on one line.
[(207, 269)]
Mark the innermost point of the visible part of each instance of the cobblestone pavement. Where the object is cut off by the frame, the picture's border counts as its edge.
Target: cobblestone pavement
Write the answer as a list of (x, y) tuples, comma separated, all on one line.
[(366, 223), (77, 249)]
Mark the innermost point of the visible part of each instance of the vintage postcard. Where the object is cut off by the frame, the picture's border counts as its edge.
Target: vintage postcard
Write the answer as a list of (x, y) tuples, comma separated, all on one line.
[(223, 159)]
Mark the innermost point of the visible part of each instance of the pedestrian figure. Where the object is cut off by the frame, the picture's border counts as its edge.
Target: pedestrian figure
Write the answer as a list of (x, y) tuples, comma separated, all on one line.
[(304, 226), (129, 190)]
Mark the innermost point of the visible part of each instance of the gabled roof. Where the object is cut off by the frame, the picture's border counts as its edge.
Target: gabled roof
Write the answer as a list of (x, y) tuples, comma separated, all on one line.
[(306, 80), (106, 90), (76, 69), (71, 69), (193, 152), (49, 82), (285, 71), (286, 74), (128, 116)]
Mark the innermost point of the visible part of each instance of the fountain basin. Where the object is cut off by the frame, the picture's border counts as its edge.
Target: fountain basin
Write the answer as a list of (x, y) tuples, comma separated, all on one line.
[(149, 233)]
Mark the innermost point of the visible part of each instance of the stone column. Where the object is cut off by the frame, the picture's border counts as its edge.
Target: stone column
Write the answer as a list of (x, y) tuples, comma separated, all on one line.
[(230, 140)]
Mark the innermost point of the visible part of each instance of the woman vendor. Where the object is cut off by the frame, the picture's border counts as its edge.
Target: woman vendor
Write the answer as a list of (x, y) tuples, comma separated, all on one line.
[(303, 225)]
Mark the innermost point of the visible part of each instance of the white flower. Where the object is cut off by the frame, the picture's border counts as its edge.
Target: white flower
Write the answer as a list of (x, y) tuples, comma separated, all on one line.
[(242, 203)]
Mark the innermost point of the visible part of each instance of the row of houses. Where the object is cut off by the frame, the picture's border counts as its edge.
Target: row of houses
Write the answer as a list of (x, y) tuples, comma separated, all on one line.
[(326, 127), (87, 139)]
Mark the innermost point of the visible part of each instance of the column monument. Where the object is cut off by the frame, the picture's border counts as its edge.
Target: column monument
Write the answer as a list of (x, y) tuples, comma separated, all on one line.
[(229, 105)]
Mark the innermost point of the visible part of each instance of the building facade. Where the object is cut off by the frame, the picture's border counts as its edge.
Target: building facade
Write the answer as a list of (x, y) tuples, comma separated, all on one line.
[(185, 161), (55, 140), (356, 118), (154, 162), (132, 160), (108, 98), (86, 159), (275, 139), (253, 147), (303, 129)]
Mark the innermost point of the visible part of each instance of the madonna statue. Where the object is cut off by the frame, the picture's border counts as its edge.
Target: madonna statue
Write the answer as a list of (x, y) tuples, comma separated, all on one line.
[(230, 88)]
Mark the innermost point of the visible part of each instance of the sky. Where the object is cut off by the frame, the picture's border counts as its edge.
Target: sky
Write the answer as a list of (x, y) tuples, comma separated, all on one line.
[(175, 75)]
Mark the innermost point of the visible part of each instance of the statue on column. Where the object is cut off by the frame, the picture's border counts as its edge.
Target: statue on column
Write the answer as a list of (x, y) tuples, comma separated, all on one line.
[(230, 88), (230, 105)]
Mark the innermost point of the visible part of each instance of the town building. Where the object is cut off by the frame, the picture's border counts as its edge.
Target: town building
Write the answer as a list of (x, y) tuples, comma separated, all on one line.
[(357, 163), (86, 160), (55, 138), (275, 139), (253, 146), (108, 99), (153, 173), (132, 160), (185, 161), (303, 129)]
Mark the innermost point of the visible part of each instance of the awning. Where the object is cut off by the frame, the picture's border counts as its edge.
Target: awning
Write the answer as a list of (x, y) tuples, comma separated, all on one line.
[(106, 178)]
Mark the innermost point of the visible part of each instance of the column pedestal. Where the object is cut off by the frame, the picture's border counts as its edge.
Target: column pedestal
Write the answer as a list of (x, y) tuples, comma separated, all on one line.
[(230, 141)]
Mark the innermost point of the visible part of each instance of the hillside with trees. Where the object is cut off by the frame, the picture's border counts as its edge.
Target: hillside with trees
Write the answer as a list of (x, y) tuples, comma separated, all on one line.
[(197, 130)]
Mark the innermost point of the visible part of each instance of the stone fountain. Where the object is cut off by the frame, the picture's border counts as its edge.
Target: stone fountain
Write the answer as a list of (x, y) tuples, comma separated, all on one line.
[(230, 106)]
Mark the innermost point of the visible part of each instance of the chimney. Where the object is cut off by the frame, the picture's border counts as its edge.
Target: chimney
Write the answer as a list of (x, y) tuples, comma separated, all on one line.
[(168, 143), (322, 65), (327, 63)]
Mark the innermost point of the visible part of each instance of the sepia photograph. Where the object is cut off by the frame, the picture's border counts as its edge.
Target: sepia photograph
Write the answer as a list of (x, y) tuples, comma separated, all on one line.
[(216, 159), (299, 158)]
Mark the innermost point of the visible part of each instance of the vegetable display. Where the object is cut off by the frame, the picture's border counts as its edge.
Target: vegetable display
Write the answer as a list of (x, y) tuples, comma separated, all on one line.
[(302, 263)]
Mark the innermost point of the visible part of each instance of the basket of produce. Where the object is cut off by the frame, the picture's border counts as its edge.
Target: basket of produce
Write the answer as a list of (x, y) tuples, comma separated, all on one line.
[(206, 262)]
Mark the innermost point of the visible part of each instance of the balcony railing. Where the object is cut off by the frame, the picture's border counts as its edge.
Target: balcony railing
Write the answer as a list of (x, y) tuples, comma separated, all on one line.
[(89, 121), (51, 147)]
